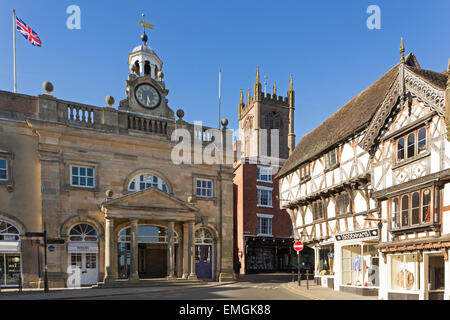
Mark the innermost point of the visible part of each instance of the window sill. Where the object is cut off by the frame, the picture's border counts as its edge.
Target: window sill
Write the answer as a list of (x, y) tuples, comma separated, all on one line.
[(263, 206), (264, 235), (205, 198), (411, 160), (95, 189), (331, 168), (9, 185), (263, 181), (416, 228)]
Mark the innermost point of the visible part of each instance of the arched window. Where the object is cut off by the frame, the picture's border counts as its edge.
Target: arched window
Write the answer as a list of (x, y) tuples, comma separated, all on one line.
[(415, 208), (422, 140), (145, 181), (8, 232), (83, 232), (272, 121), (401, 149), (426, 206), (405, 210), (203, 236), (411, 145), (395, 214), (147, 234)]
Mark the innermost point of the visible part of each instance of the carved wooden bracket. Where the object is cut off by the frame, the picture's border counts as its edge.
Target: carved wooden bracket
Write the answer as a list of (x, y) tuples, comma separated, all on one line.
[(445, 253), (420, 255)]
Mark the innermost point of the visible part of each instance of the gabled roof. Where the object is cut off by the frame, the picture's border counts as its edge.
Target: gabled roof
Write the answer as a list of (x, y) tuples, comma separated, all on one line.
[(354, 116)]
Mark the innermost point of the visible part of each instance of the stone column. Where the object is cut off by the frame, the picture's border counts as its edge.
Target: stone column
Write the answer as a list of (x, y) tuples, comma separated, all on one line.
[(185, 249), (170, 252), (134, 276), (192, 275), (109, 250)]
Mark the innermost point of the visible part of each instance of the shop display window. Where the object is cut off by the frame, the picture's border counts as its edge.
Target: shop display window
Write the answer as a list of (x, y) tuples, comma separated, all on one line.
[(360, 265), (326, 260), (404, 272)]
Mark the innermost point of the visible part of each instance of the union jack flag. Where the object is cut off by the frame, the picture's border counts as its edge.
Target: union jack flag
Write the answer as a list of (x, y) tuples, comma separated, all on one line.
[(27, 32)]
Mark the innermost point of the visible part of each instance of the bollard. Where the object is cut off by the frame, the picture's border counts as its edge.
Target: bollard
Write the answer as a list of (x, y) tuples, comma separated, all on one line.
[(293, 276), (307, 279), (299, 277)]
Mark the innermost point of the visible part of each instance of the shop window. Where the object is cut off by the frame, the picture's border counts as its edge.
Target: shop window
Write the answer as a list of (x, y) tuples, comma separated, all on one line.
[(412, 209), (82, 177), (360, 265), (404, 272), (145, 181), (416, 144), (326, 260)]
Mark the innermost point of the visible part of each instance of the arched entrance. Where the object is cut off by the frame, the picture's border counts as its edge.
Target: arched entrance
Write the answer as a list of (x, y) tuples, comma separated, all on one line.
[(204, 253), (10, 258), (82, 251), (152, 251)]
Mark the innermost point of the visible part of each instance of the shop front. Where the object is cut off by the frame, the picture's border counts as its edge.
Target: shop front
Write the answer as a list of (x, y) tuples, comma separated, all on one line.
[(356, 264), (324, 265), (416, 270), (268, 255), (10, 256)]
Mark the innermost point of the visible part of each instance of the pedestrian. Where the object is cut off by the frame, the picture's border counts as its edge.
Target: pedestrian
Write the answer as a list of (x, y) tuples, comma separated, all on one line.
[(237, 268)]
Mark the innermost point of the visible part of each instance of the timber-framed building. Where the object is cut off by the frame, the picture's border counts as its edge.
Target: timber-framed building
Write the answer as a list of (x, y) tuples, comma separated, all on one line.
[(369, 189)]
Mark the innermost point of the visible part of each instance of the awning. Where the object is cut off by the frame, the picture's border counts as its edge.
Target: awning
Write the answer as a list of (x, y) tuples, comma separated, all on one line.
[(9, 247), (82, 247)]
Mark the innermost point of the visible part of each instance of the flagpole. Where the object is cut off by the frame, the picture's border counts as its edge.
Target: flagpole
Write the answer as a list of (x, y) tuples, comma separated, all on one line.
[(220, 80), (14, 49)]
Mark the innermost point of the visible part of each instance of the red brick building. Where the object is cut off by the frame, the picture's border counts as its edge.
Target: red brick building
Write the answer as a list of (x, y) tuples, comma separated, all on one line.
[(263, 232)]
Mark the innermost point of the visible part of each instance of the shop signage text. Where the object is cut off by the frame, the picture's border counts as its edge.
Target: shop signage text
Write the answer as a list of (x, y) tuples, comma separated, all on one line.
[(357, 235)]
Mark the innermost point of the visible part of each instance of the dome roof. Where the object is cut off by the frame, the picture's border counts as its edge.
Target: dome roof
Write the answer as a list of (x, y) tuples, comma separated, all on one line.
[(144, 48)]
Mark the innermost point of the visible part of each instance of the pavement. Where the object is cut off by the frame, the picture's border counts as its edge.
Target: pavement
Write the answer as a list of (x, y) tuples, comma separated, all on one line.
[(247, 287), (317, 292)]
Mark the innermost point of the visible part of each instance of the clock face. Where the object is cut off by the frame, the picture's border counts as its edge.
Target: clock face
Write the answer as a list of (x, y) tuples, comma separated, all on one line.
[(147, 96)]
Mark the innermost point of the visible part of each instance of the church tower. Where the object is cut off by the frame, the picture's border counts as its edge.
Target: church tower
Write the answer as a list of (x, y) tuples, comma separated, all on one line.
[(146, 91), (268, 112)]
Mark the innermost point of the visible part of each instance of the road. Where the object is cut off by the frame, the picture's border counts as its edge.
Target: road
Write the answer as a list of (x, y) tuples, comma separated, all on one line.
[(249, 287)]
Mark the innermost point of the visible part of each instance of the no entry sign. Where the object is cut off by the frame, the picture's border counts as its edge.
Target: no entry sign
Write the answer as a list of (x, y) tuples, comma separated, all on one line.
[(298, 246)]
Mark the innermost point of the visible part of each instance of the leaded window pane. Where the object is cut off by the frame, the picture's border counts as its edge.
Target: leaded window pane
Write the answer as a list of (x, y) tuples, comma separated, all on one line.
[(401, 149), (411, 145), (426, 206), (415, 208), (422, 140)]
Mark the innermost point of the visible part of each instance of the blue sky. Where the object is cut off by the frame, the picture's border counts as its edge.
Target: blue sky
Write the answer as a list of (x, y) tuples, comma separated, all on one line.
[(326, 45)]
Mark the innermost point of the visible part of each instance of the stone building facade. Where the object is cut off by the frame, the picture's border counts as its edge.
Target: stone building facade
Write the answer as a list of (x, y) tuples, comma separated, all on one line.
[(263, 232), (101, 181)]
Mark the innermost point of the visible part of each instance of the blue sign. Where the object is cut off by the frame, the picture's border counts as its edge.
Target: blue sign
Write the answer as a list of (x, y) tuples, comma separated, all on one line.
[(51, 248)]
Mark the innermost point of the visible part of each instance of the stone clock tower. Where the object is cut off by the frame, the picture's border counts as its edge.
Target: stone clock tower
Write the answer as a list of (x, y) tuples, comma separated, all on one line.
[(146, 91)]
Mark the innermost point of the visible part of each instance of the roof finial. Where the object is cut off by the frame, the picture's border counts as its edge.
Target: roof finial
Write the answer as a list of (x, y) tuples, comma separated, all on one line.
[(402, 51), (274, 88), (257, 74), (248, 96), (291, 84), (241, 101)]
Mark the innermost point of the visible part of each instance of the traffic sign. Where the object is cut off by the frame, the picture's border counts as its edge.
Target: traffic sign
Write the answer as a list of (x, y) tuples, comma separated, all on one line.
[(298, 246)]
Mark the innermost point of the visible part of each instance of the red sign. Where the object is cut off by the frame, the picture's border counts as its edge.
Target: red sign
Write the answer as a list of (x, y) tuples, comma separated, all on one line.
[(298, 246), (239, 253)]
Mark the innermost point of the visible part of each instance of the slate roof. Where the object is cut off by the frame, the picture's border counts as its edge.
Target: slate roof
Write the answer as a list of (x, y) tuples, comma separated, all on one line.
[(354, 116)]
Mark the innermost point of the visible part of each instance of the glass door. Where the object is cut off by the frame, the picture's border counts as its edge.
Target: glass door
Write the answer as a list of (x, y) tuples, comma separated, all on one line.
[(2, 270)]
